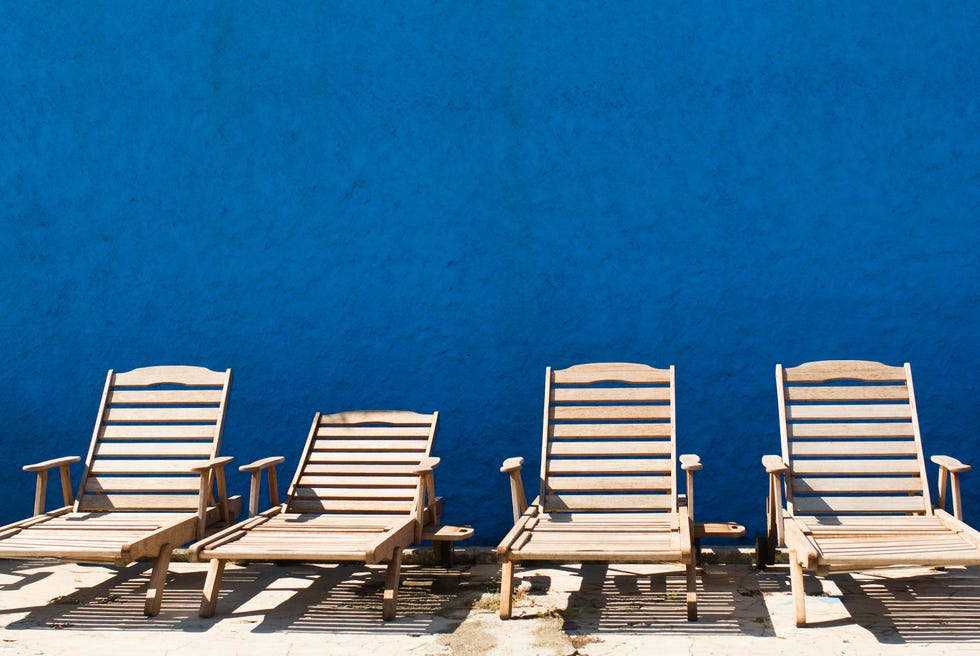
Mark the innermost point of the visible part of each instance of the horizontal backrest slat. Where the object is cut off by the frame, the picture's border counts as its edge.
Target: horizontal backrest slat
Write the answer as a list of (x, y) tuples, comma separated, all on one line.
[(851, 439), (372, 445), (142, 484), (610, 395), (162, 415), (804, 466), (609, 439), (203, 396), (595, 430), (834, 370), (158, 432), (321, 456), (857, 485), (857, 430), (826, 504), (848, 393), (173, 375), (588, 374), (607, 502), (354, 481), (610, 412), (105, 502), (856, 448), (312, 504), (196, 449), (848, 412), (359, 469), (608, 448), (327, 492), (611, 466), (151, 467), (369, 432), (558, 483)]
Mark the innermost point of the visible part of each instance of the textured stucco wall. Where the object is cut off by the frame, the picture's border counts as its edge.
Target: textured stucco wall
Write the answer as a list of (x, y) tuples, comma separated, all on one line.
[(420, 205)]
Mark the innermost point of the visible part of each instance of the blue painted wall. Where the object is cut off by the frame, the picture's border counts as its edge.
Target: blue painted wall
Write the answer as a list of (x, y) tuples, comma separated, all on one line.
[(422, 204)]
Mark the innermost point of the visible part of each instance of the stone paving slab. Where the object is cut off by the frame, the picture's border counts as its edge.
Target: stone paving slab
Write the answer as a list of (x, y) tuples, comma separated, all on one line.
[(592, 609)]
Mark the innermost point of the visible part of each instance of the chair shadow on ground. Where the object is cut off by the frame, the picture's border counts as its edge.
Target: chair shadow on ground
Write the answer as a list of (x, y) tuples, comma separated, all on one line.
[(294, 597), (943, 606), (430, 600), (22, 573), (924, 606), (117, 603), (615, 598)]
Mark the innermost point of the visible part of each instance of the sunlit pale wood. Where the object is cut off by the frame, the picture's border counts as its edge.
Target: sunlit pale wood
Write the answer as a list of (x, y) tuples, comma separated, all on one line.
[(362, 492), (856, 491), (608, 477), (146, 485)]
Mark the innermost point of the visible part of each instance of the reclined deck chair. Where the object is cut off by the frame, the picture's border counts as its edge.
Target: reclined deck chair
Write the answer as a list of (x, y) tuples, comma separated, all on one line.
[(608, 481), (855, 479), (147, 483), (362, 492)]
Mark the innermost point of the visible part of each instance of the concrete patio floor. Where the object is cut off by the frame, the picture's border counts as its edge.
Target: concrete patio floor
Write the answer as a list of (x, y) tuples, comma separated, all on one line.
[(593, 609)]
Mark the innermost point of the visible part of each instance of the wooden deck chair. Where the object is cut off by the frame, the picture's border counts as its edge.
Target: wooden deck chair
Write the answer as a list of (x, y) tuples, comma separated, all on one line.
[(608, 480), (147, 486), (362, 492), (855, 479)]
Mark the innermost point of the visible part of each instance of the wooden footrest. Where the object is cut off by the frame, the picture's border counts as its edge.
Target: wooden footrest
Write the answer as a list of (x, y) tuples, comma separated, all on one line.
[(441, 533), (718, 530)]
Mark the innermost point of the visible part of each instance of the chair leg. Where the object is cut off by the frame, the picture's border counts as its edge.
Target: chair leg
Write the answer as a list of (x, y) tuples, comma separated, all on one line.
[(445, 553), (158, 578), (692, 592), (765, 551), (212, 584), (391, 585), (506, 588), (796, 582)]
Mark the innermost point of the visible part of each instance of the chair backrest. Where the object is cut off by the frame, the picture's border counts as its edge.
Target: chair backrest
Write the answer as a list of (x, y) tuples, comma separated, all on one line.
[(850, 435), (363, 463), (154, 425), (609, 439)]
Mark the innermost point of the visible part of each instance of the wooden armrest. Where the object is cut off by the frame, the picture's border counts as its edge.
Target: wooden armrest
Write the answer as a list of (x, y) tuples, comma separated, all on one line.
[(774, 464), (690, 462), (518, 500), (427, 465), (211, 464), (215, 466), (951, 464), (48, 464), (775, 533), (261, 464), (511, 464), (40, 490), (268, 465), (950, 468), (428, 513)]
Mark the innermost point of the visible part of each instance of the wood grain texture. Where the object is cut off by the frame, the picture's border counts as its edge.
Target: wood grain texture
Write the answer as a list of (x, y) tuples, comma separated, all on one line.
[(857, 496), (608, 476), (362, 491)]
